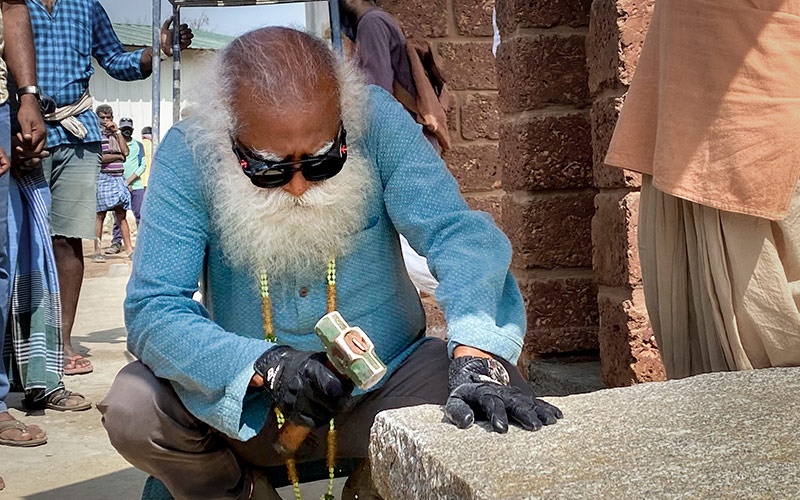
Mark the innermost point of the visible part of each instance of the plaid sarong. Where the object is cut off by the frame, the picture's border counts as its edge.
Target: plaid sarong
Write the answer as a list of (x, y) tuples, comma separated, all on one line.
[(35, 323), (112, 192)]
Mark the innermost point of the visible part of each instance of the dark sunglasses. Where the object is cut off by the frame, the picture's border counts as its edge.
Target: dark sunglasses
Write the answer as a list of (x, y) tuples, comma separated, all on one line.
[(272, 174)]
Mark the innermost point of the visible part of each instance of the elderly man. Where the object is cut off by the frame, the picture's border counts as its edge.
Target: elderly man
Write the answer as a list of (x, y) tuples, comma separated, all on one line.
[(285, 196)]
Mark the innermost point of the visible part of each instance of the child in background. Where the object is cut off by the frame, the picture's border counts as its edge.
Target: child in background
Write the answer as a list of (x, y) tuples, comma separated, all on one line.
[(112, 192)]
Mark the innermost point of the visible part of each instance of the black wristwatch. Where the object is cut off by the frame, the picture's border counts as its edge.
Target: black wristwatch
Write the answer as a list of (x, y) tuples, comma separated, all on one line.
[(46, 103)]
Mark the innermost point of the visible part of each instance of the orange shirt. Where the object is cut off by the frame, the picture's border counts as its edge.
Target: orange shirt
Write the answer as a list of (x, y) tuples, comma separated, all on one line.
[(713, 112)]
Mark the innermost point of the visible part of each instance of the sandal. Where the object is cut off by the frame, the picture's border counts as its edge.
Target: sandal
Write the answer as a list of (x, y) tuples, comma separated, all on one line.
[(16, 424), (57, 400), (98, 257), (71, 366)]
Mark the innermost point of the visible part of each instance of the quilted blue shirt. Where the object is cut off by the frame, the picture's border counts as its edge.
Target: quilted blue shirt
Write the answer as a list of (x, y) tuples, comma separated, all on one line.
[(207, 350)]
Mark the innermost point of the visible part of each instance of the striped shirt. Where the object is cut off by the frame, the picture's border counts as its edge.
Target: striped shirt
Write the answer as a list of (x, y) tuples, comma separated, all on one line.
[(65, 42), (110, 145)]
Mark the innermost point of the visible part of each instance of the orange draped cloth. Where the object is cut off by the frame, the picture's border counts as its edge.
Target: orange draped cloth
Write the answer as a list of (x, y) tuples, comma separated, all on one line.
[(713, 112)]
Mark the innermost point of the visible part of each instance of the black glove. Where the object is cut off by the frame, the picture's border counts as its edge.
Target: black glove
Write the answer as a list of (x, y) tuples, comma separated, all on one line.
[(481, 384), (299, 383)]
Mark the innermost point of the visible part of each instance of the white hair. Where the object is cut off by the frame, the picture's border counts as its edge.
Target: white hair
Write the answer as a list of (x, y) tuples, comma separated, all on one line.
[(271, 229)]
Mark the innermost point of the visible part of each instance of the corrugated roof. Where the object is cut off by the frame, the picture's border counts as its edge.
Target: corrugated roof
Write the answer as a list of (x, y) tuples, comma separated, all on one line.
[(141, 35)]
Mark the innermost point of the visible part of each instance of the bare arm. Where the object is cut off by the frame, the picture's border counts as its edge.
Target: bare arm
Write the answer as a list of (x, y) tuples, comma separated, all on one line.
[(123, 146), (21, 59)]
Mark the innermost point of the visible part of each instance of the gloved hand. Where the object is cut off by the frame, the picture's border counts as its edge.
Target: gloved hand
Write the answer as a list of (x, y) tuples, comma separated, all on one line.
[(481, 385), (299, 383)]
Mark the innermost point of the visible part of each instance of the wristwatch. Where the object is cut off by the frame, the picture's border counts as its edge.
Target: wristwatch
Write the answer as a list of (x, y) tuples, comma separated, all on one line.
[(46, 103)]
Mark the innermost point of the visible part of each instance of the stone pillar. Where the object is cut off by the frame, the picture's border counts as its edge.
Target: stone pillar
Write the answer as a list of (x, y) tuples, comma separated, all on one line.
[(460, 32), (628, 350), (546, 154)]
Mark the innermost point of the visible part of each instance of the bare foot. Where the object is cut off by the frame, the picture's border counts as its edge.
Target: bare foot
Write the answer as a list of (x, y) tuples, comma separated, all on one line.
[(20, 434), (74, 363)]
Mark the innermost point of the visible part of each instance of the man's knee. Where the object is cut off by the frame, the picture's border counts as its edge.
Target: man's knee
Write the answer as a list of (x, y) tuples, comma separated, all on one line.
[(135, 409)]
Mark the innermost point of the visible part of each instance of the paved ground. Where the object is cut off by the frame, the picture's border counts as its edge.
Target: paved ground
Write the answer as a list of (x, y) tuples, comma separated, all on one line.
[(78, 463)]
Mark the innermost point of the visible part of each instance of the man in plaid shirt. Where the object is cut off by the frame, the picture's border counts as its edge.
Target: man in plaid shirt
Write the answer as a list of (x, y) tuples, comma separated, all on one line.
[(67, 34)]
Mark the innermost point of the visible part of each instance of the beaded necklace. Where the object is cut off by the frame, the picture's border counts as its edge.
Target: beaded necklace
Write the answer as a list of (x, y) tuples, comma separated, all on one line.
[(269, 335)]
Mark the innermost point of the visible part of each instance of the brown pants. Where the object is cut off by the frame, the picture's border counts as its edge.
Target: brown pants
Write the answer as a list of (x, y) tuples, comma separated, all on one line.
[(151, 429)]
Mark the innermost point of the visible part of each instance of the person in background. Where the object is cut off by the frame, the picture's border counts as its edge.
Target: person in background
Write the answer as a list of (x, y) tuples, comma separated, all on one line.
[(29, 295), (16, 49), (113, 192), (134, 167), (67, 34), (382, 55), (716, 134), (147, 148)]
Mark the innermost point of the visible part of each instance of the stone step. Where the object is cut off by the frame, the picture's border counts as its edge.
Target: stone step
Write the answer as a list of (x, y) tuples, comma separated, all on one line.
[(712, 437)]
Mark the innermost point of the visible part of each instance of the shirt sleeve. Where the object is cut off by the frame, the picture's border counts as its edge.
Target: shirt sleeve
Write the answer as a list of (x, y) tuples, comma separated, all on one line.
[(466, 251), (170, 332), (108, 50), (142, 165), (374, 52)]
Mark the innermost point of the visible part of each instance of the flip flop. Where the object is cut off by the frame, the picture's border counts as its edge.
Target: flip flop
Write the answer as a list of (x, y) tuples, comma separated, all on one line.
[(16, 424), (77, 370), (56, 399)]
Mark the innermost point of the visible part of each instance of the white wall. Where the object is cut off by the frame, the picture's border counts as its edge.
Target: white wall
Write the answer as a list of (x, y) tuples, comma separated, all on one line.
[(133, 99)]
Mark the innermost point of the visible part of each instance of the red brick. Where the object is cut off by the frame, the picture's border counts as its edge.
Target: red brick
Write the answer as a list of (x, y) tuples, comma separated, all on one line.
[(475, 167), (550, 230), (614, 238), (436, 325), (616, 34), (473, 18), (453, 115), (536, 70), (468, 65), (479, 117), (628, 349), (513, 14), (419, 18), (605, 112), (487, 202), (546, 152)]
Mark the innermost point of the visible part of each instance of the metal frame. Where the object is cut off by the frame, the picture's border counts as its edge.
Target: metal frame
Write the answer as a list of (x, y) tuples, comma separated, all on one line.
[(336, 39)]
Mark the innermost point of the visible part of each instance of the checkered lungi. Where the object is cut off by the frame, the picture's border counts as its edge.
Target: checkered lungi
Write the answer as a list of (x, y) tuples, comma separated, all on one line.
[(112, 192)]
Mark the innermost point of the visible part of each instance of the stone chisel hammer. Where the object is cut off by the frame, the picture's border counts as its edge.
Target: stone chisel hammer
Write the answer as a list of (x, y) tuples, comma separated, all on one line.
[(351, 354)]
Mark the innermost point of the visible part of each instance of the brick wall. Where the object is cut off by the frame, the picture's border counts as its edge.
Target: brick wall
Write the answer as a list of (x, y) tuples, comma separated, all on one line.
[(460, 33), (546, 153), (530, 132), (627, 347)]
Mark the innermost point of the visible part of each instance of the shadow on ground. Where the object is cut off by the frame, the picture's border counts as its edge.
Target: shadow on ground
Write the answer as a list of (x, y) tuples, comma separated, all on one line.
[(127, 483)]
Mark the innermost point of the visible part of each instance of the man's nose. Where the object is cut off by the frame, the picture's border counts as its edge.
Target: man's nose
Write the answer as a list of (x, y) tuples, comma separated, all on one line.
[(298, 185)]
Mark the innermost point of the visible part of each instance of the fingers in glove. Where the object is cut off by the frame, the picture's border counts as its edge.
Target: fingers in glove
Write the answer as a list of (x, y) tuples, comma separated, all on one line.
[(525, 415), (552, 409), (459, 412), (495, 409), (323, 379)]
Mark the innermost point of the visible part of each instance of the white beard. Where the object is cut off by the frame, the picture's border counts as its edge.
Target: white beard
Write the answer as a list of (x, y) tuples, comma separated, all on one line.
[(273, 230), (270, 229)]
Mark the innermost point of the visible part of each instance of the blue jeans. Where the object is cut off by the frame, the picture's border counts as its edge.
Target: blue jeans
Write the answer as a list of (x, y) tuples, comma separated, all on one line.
[(5, 264)]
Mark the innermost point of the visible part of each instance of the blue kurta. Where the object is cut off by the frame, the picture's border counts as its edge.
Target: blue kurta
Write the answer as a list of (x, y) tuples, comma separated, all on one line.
[(207, 350)]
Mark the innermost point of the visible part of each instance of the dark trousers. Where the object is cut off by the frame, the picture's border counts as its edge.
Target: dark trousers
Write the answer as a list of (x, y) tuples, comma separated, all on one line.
[(137, 198), (150, 428)]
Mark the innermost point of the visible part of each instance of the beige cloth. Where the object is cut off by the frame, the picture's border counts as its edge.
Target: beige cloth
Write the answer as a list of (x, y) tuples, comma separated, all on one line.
[(66, 115), (713, 112), (722, 289)]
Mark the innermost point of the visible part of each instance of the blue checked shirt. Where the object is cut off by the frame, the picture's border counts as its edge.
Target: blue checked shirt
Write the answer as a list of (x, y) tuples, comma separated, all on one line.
[(65, 42)]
